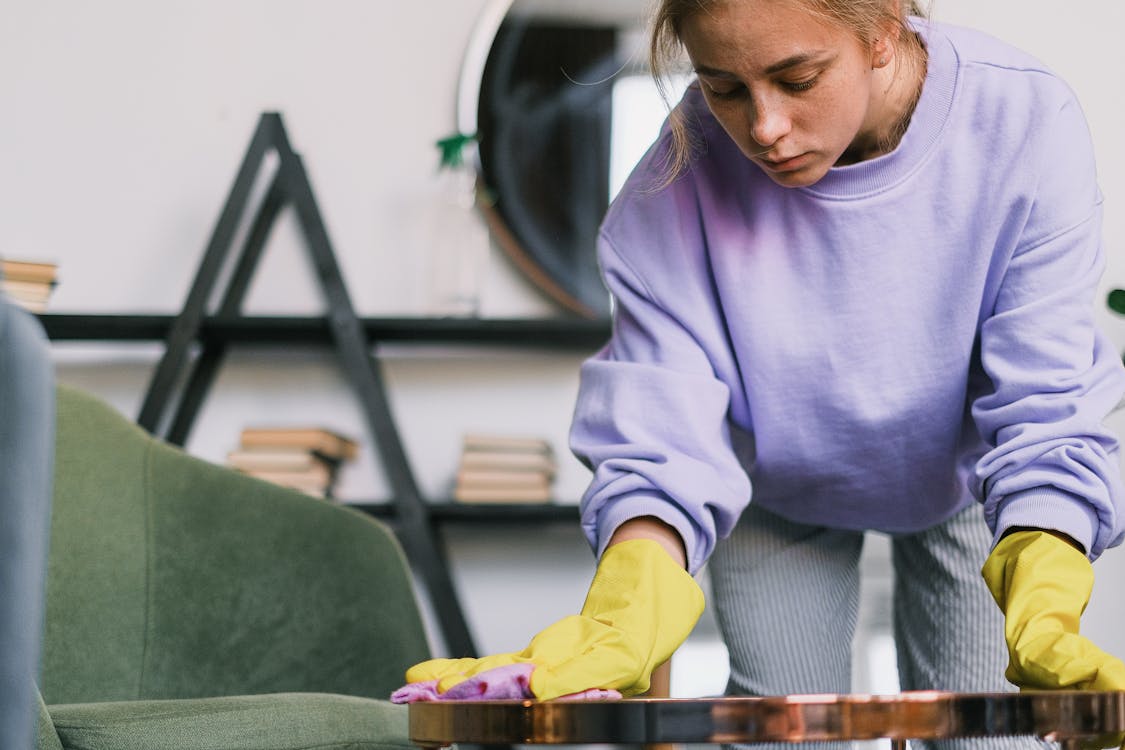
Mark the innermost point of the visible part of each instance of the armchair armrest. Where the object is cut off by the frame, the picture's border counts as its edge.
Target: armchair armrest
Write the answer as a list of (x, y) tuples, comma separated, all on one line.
[(46, 738), (289, 721)]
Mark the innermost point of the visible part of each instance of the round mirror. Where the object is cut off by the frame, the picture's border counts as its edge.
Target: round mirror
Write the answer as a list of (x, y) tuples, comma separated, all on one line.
[(559, 95)]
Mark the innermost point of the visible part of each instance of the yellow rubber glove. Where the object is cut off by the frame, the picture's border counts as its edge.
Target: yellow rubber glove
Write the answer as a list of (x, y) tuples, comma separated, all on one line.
[(1042, 584), (641, 606)]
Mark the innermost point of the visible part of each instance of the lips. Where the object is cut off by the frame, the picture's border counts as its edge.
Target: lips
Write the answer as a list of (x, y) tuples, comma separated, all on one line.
[(786, 164)]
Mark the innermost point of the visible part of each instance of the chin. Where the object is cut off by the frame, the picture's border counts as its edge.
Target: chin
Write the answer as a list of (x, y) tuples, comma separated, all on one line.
[(808, 171), (796, 179)]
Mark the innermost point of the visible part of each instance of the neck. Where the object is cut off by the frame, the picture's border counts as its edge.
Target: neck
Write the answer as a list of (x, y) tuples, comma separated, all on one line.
[(907, 74)]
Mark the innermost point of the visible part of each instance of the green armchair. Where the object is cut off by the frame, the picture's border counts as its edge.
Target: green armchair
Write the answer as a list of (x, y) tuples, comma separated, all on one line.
[(27, 434), (192, 607)]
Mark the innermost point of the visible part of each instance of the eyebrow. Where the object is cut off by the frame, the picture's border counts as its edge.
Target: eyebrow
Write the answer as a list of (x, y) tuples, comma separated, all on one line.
[(793, 61)]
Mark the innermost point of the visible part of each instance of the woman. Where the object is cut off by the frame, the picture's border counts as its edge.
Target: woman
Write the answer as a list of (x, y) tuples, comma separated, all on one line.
[(852, 281)]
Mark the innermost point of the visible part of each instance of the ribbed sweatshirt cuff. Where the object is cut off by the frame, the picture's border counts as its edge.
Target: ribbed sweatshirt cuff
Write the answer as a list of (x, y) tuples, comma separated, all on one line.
[(1051, 510), (653, 504)]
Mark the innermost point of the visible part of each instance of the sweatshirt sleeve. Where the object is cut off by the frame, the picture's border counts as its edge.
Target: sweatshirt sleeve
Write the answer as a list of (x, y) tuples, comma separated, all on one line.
[(1052, 463), (652, 423)]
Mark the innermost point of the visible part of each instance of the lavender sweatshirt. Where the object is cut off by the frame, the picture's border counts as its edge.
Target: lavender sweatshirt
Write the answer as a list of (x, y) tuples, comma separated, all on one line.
[(876, 350)]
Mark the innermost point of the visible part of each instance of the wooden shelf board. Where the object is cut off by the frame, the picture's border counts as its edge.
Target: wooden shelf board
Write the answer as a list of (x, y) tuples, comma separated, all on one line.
[(567, 333), (471, 512)]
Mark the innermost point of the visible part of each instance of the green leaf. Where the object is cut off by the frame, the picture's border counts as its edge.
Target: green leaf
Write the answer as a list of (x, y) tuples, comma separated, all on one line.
[(1116, 301)]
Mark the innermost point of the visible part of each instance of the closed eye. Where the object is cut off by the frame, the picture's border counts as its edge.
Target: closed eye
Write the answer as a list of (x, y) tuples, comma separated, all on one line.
[(733, 92), (799, 86), (722, 92)]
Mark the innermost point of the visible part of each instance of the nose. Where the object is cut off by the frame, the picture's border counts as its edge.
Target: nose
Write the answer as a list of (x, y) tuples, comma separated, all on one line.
[(769, 122)]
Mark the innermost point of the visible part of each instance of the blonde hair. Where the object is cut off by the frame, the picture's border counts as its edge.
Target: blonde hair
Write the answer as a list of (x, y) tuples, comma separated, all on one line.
[(865, 19)]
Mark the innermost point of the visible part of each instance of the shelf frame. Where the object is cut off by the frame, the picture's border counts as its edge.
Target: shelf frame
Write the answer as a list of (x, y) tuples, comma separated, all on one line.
[(197, 339), (180, 382)]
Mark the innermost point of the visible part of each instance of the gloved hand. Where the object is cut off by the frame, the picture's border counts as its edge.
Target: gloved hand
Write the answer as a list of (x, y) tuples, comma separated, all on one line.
[(641, 606), (1042, 584)]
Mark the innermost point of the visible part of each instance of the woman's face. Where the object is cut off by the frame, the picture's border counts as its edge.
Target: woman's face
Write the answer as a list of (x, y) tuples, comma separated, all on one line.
[(793, 91)]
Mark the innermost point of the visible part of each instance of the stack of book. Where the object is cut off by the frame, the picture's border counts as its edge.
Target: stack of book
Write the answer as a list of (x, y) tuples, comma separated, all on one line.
[(28, 283), (304, 458), (504, 469)]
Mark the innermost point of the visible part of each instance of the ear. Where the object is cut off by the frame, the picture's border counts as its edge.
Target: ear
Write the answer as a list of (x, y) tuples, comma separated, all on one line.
[(885, 45), (882, 51)]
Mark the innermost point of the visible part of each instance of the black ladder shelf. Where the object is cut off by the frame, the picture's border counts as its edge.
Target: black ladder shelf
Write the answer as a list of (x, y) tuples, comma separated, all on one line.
[(180, 382)]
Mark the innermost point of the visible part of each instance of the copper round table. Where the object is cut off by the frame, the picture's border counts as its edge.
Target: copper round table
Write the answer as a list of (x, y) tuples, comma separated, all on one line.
[(1065, 716)]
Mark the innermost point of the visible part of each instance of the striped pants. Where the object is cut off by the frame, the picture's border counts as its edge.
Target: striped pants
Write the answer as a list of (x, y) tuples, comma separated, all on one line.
[(786, 598)]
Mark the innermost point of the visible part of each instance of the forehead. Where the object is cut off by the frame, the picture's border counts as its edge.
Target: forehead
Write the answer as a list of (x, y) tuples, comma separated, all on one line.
[(758, 32)]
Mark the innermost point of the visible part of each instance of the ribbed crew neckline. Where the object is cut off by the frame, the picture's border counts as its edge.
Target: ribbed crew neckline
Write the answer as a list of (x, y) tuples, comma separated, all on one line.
[(926, 125)]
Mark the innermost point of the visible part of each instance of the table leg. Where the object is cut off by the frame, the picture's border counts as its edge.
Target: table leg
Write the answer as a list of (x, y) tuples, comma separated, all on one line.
[(660, 686)]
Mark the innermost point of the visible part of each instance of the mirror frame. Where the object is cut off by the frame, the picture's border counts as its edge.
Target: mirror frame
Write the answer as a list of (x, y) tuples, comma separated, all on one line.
[(469, 88)]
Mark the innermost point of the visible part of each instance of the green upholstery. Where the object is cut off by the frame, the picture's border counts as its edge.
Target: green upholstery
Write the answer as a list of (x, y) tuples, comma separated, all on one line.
[(47, 738), (170, 578), (257, 722)]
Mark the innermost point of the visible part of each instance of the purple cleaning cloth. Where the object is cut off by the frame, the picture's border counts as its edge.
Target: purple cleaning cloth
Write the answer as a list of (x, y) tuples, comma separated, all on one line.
[(509, 682)]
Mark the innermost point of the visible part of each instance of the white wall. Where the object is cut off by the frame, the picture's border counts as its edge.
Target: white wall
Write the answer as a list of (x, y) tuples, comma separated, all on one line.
[(124, 124)]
